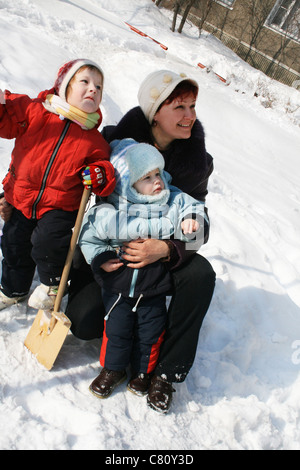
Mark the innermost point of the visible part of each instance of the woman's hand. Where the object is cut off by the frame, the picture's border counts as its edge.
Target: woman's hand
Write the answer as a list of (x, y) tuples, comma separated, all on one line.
[(5, 209), (141, 252)]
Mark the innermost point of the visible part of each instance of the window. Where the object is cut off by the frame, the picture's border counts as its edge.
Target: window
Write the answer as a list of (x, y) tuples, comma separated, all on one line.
[(285, 17), (228, 3)]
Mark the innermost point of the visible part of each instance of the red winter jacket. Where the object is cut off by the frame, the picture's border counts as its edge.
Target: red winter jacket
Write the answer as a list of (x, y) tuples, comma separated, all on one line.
[(48, 157)]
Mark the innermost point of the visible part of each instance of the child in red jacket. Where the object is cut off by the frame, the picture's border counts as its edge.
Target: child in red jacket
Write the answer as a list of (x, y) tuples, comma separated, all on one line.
[(57, 149)]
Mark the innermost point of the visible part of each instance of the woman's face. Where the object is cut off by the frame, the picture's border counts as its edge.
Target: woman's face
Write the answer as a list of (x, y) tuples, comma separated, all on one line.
[(175, 120)]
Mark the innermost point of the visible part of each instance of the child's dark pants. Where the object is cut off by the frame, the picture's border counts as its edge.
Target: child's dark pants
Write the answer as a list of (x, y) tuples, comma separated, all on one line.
[(28, 243), (132, 337)]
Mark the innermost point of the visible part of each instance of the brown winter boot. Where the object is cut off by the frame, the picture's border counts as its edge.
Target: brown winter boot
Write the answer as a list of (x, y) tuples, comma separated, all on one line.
[(106, 382), (139, 384), (160, 394)]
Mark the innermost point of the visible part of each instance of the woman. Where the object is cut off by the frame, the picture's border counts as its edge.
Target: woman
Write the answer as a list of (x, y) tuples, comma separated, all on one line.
[(166, 118)]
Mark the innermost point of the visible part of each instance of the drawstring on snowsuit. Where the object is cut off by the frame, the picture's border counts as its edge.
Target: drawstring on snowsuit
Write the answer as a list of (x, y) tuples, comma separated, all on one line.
[(108, 313), (137, 302), (119, 296)]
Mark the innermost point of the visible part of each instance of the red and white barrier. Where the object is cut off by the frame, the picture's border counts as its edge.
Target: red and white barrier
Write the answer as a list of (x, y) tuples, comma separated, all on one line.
[(219, 76), (146, 36), (141, 33)]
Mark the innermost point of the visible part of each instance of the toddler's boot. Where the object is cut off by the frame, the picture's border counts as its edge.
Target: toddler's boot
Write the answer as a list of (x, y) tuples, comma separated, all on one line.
[(139, 384), (106, 382)]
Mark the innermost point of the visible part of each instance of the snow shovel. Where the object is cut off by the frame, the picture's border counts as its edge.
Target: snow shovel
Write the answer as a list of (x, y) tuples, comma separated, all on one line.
[(50, 327)]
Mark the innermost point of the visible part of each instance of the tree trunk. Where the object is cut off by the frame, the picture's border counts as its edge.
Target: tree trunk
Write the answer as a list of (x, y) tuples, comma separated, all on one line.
[(176, 11), (277, 54), (185, 15)]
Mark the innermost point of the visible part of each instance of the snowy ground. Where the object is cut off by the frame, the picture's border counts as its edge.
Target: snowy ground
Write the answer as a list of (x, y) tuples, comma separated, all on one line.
[(243, 391)]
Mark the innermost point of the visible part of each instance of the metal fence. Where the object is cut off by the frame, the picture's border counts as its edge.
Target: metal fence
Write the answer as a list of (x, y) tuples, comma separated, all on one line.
[(259, 61)]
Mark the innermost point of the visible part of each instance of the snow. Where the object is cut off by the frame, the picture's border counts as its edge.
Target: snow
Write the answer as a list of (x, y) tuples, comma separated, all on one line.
[(243, 390)]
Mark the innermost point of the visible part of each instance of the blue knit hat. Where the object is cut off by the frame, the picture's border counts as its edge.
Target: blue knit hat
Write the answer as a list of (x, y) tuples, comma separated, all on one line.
[(132, 161)]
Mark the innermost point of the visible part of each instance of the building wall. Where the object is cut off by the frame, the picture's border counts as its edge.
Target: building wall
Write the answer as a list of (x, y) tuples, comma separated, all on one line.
[(264, 48)]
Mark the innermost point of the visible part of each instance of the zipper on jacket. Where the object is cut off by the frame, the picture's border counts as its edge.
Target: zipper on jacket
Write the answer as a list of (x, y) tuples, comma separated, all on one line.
[(132, 288), (46, 174), (133, 282)]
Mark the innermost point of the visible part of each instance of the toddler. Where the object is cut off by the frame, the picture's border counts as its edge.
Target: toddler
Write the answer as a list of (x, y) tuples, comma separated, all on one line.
[(142, 205)]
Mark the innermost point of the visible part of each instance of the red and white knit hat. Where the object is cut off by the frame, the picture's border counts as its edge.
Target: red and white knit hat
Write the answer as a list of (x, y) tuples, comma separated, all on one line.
[(67, 71)]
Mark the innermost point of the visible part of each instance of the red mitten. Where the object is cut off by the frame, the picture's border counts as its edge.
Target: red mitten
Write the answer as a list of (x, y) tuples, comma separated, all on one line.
[(93, 176)]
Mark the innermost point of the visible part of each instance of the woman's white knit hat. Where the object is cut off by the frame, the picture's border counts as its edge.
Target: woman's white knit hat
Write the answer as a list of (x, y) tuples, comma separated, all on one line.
[(156, 88), (67, 71)]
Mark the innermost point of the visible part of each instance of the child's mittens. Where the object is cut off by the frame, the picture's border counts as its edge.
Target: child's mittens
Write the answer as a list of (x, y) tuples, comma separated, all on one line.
[(93, 177)]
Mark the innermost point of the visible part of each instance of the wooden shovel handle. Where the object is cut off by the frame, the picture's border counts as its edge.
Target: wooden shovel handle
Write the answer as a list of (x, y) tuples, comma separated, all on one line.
[(65, 274)]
